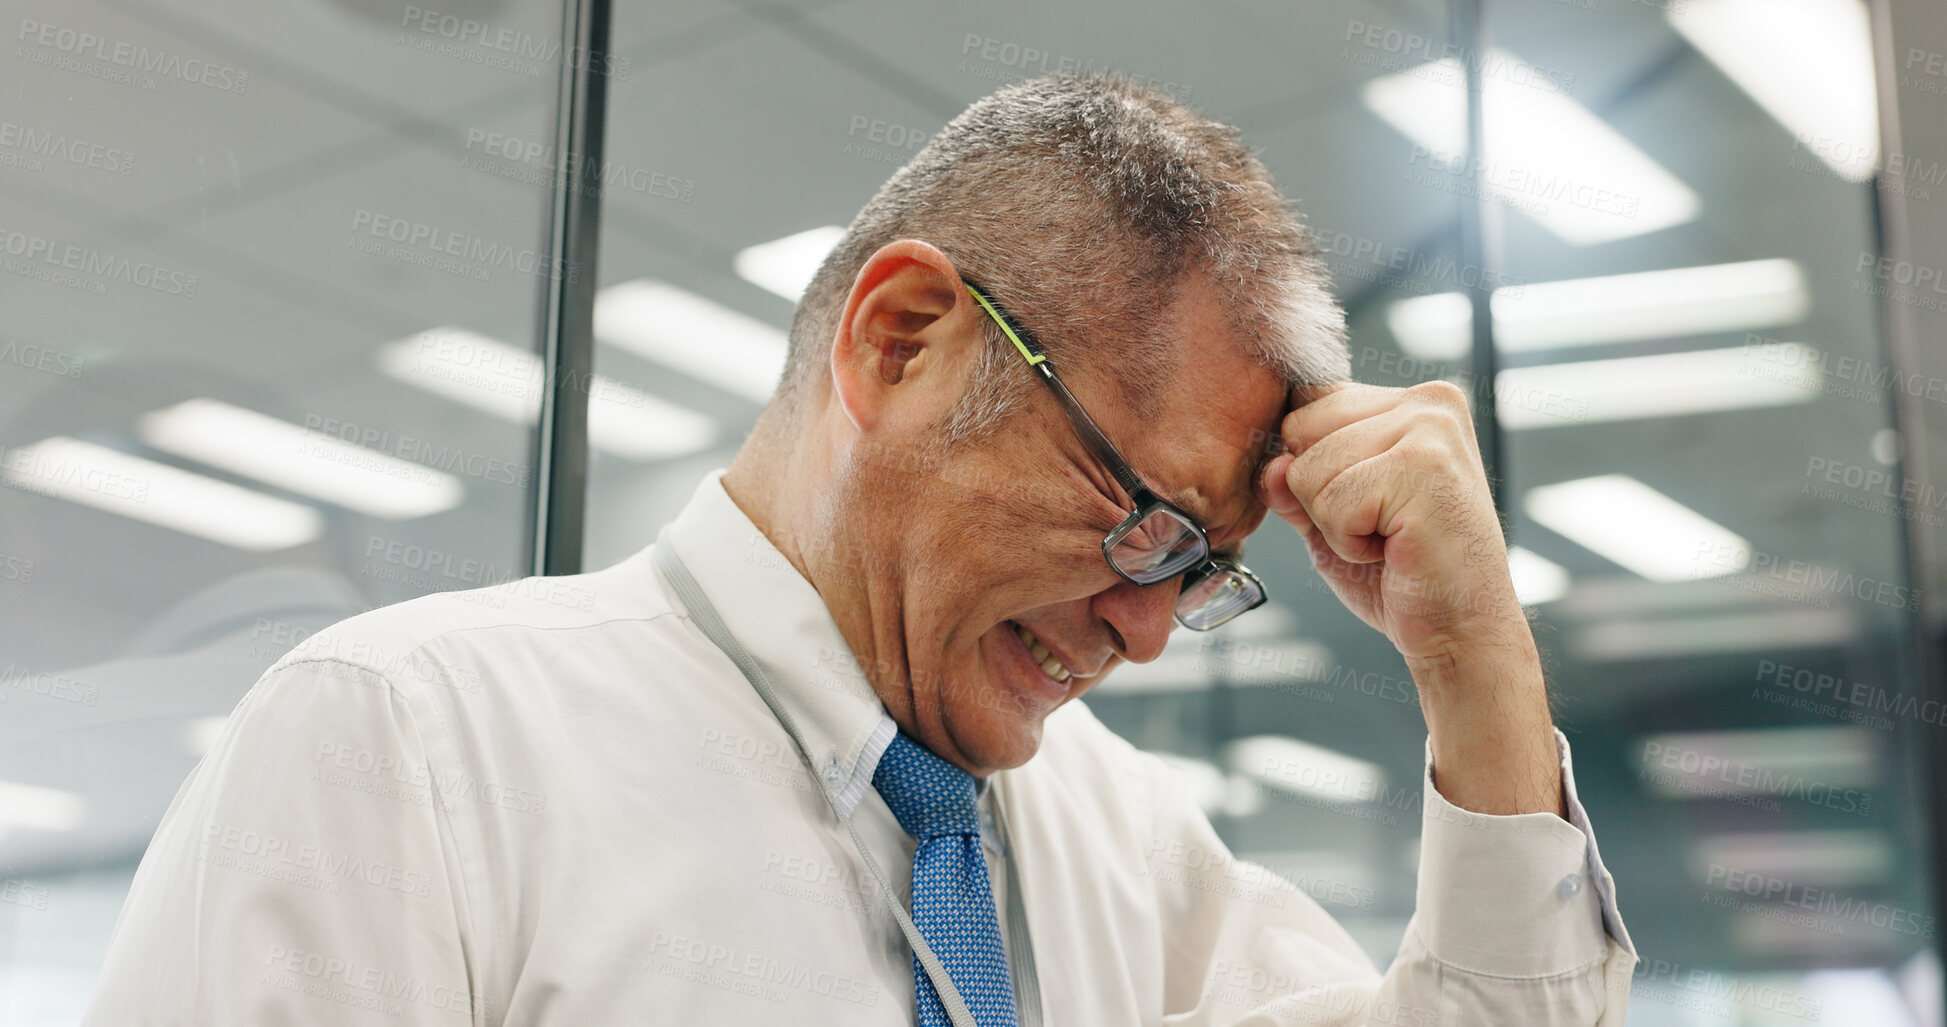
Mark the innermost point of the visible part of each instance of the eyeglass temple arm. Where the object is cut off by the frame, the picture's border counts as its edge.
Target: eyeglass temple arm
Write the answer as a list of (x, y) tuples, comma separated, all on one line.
[(1092, 437), (1098, 444)]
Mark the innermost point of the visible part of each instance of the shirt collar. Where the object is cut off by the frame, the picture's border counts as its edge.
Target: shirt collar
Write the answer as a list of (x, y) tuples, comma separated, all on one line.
[(780, 618)]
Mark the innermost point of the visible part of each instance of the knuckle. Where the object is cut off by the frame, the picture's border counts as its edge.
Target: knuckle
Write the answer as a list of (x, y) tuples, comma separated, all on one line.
[(1306, 478), (1425, 452), (1295, 436), (1433, 420), (1349, 486), (1439, 432), (1441, 392)]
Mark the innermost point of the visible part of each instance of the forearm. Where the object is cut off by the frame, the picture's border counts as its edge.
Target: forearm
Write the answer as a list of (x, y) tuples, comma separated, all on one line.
[(1488, 723)]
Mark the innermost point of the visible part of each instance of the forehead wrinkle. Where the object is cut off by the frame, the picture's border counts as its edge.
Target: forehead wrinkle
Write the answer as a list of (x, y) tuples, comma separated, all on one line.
[(1190, 498)]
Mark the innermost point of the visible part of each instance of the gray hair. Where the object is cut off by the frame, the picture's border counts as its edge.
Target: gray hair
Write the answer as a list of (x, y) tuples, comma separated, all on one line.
[(1080, 203)]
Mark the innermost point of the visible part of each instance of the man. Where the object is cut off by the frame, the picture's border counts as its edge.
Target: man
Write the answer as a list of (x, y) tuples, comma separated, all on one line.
[(813, 758)]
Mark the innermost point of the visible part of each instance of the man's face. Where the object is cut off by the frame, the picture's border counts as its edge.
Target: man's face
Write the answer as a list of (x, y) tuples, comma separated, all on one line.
[(1010, 608)]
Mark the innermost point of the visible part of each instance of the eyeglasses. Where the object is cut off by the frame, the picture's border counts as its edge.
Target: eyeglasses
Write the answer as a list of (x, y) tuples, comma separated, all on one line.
[(1158, 540)]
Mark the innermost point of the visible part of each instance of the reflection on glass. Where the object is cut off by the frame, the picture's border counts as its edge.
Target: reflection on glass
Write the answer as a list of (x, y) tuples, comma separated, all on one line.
[(222, 217)]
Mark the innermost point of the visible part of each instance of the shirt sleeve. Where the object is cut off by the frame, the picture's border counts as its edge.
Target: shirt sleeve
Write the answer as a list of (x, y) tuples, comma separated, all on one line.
[(1515, 923), (303, 874)]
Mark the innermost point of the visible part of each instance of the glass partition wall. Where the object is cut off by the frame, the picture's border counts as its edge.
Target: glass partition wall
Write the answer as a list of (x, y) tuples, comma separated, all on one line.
[(268, 358), (1721, 496)]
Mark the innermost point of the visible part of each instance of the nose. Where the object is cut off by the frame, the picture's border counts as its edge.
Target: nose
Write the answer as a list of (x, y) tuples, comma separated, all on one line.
[(1139, 617)]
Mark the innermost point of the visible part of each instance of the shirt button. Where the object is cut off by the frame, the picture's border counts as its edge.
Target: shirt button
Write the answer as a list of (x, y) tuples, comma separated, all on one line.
[(1570, 887), (986, 821), (833, 776)]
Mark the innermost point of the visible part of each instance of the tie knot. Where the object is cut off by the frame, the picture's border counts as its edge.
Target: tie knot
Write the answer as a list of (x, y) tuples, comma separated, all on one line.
[(930, 796)]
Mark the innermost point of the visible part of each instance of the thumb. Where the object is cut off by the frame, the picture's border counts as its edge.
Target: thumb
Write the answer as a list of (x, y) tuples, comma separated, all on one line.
[(1275, 490)]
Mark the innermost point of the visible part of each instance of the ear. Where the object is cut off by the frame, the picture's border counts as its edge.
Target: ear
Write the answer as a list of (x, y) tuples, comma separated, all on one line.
[(901, 349)]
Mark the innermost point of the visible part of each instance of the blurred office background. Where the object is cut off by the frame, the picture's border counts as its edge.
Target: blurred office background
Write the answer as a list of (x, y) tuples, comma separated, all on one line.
[(279, 282)]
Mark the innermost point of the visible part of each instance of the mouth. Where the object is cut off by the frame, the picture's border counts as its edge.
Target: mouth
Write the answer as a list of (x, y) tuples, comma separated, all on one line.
[(1034, 665), (1043, 656)]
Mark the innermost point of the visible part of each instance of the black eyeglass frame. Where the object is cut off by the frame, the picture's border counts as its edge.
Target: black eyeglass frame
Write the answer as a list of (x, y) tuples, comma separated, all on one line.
[(1148, 503)]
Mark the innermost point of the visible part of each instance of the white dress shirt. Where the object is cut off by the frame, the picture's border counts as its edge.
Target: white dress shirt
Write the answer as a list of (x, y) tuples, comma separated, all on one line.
[(556, 802)]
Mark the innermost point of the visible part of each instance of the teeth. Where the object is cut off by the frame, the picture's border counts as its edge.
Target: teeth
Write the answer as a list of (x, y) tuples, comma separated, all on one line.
[(1054, 667)]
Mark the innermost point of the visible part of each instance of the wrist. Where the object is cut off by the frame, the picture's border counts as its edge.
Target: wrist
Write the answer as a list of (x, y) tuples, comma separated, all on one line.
[(1495, 653), (1489, 726)]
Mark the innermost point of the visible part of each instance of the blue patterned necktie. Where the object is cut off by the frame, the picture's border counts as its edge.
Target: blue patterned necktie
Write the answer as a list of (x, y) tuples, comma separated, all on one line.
[(952, 902)]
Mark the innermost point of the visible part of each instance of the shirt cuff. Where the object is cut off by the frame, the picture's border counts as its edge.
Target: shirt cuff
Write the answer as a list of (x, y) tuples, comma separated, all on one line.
[(1515, 896)]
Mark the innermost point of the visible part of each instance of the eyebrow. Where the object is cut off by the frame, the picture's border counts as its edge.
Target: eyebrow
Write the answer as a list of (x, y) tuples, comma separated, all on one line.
[(1183, 497), (1190, 499)]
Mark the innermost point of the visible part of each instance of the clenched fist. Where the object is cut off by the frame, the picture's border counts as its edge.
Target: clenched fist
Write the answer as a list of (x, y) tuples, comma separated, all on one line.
[(1386, 487)]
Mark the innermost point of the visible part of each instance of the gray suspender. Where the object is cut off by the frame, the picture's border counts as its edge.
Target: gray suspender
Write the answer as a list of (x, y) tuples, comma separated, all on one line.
[(1027, 985), (1027, 980)]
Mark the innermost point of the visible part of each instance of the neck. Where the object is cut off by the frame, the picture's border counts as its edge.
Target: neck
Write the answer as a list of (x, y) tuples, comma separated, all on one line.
[(766, 480), (785, 482)]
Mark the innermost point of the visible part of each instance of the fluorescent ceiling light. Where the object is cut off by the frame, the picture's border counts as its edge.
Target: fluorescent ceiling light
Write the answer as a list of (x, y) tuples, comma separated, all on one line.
[(785, 266), (1759, 761), (1207, 784), (701, 338), (1662, 304), (505, 381), (1179, 671), (45, 809), (144, 490), (1663, 385), (1438, 325), (1273, 620), (1546, 155), (1819, 859), (1808, 63), (629, 422), (1197, 661), (1638, 527), (1617, 640), (1256, 650), (310, 463), (1287, 764), (1267, 663), (1537, 579), (1868, 995)]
